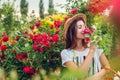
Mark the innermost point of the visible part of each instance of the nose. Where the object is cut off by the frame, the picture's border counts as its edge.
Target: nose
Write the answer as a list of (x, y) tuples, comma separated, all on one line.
[(82, 30)]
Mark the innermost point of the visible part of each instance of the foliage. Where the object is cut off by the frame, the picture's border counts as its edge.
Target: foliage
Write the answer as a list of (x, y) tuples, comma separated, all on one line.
[(105, 32), (8, 20)]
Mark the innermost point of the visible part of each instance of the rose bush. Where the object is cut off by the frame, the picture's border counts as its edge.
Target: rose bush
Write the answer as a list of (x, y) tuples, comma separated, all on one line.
[(37, 45)]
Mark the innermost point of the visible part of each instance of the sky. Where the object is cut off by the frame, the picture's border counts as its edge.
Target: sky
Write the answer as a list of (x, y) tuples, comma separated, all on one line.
[(34, 5)]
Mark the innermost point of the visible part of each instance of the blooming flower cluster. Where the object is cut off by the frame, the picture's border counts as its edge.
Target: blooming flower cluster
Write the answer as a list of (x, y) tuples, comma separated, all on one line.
[(33, 47), (88, 32), (98, 6)]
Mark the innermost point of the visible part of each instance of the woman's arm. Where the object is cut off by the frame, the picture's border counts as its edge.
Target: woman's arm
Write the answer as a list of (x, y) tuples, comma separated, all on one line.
[(104, 63), (97, 76)]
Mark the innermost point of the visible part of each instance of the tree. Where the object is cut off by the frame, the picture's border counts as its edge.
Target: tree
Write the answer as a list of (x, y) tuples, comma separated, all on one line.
[(24, 8), (41, 9), (51, 7), (7, 11), (8, 21)]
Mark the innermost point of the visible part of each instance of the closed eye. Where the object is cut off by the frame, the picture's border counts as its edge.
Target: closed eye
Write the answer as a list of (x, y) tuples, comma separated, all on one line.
[(80, 27)]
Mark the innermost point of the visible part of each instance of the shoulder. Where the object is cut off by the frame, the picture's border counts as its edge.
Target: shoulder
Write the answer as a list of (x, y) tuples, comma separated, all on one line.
[(66, 52), (99, 51)]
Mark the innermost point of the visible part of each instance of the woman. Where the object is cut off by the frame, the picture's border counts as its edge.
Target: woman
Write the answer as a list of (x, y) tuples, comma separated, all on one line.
[(76, 55)]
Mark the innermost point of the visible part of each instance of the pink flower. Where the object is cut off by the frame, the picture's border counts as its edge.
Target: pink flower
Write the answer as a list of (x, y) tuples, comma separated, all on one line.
[(5, 38), (75, 10), (4, 33), (55, 38)]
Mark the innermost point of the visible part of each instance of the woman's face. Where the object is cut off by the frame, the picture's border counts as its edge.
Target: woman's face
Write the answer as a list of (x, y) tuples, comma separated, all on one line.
[(80, 26)]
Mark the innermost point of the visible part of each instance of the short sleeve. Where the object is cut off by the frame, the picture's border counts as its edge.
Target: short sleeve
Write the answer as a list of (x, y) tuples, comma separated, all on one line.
[(66, 56), (99, 51)]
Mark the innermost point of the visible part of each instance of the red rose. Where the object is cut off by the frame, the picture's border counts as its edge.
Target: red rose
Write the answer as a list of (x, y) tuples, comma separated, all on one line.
[(5, 38), (31, 36), (92, 30), (25, 32), (22, 55), (3, 47), (75, 10), (57, 31), (46, 43), (0, 44), (35, 47), (55, 38), (51, 26), (87, 39), (2, 56), (66, 18), (41, 49), (87, 31), (38, 24), (18, 56), (28, 69), (57, 23), (32, 27)]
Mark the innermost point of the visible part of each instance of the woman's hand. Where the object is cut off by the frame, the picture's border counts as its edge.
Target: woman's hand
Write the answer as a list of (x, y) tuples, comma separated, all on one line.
[(93, 47)]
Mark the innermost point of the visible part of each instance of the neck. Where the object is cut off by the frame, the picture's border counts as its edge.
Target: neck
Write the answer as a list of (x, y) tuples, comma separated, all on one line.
[(79, 45)]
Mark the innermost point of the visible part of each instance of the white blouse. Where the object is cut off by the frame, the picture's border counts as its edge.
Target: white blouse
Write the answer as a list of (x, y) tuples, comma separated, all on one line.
[(78, 58)]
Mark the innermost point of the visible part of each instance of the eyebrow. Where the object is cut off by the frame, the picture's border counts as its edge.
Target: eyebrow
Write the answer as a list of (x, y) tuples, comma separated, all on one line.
[(80, 25)]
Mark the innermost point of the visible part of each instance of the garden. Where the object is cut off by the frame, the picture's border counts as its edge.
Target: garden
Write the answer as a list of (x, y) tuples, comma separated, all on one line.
[(30, 46)]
